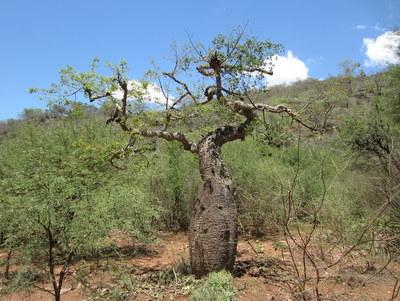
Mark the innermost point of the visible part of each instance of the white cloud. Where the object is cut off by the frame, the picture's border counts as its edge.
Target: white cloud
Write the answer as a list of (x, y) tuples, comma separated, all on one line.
[(150, 92), (288, 69), (376, 27), (361, 26), (153, 93), (382, 50)]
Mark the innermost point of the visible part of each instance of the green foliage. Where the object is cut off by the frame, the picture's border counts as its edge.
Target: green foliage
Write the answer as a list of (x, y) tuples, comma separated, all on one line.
[(22, 280), (263, 166), (172, 183), (392, 94), (59, 191), (217, 286), (254, 169), (56, 176), (370, 135), (244, 58), (263, 174), (128, 210)]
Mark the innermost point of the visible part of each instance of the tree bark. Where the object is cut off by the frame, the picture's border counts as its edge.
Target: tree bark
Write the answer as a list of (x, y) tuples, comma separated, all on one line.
[(57, 294), (213, 222)]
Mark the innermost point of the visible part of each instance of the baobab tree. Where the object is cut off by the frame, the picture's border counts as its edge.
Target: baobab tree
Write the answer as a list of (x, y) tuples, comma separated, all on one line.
[(227, 72)]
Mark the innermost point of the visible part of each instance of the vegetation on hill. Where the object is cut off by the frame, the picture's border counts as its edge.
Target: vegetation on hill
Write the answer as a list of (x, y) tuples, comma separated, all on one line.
[(67, 183)]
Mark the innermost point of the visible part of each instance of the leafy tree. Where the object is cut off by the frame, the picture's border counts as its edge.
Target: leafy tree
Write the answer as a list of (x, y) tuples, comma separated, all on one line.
[(217, 81), (57, 204)]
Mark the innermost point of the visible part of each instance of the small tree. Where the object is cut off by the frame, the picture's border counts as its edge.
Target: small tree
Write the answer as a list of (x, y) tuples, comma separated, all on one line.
[(223, 76)]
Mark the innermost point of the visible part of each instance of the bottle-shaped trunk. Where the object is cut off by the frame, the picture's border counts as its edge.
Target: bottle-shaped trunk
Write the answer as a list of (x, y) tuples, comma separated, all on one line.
[(213, 222)]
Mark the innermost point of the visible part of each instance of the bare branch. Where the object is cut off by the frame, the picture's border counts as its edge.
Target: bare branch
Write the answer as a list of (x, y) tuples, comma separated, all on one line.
[(194, 47), (184, 85), (74, 93), (43, 289), (176, 102), (239, 37)]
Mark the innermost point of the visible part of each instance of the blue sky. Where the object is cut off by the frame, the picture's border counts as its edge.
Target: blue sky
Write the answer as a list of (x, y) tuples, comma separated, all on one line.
[(37, 38)]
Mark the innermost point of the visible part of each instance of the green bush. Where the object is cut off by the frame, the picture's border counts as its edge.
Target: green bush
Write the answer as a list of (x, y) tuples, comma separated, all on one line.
[(171, 183), (61, 198), (216, 287)]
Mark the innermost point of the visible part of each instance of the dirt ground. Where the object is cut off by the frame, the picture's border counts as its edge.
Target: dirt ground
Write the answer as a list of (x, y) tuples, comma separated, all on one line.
[(263, 272)]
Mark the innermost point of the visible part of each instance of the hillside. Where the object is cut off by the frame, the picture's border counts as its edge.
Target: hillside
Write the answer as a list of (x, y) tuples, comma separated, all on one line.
[(319, 207)]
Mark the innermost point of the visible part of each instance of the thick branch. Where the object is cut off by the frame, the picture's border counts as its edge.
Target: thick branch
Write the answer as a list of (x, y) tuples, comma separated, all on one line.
[(229, 133), (124, 86), (96, 97), (241, 107), (120, 117), (244, 109), (187, 145), (120, 114), (206, 70), (229, 68)]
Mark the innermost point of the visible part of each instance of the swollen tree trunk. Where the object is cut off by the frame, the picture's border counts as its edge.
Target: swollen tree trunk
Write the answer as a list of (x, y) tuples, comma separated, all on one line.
[(213, 221)]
